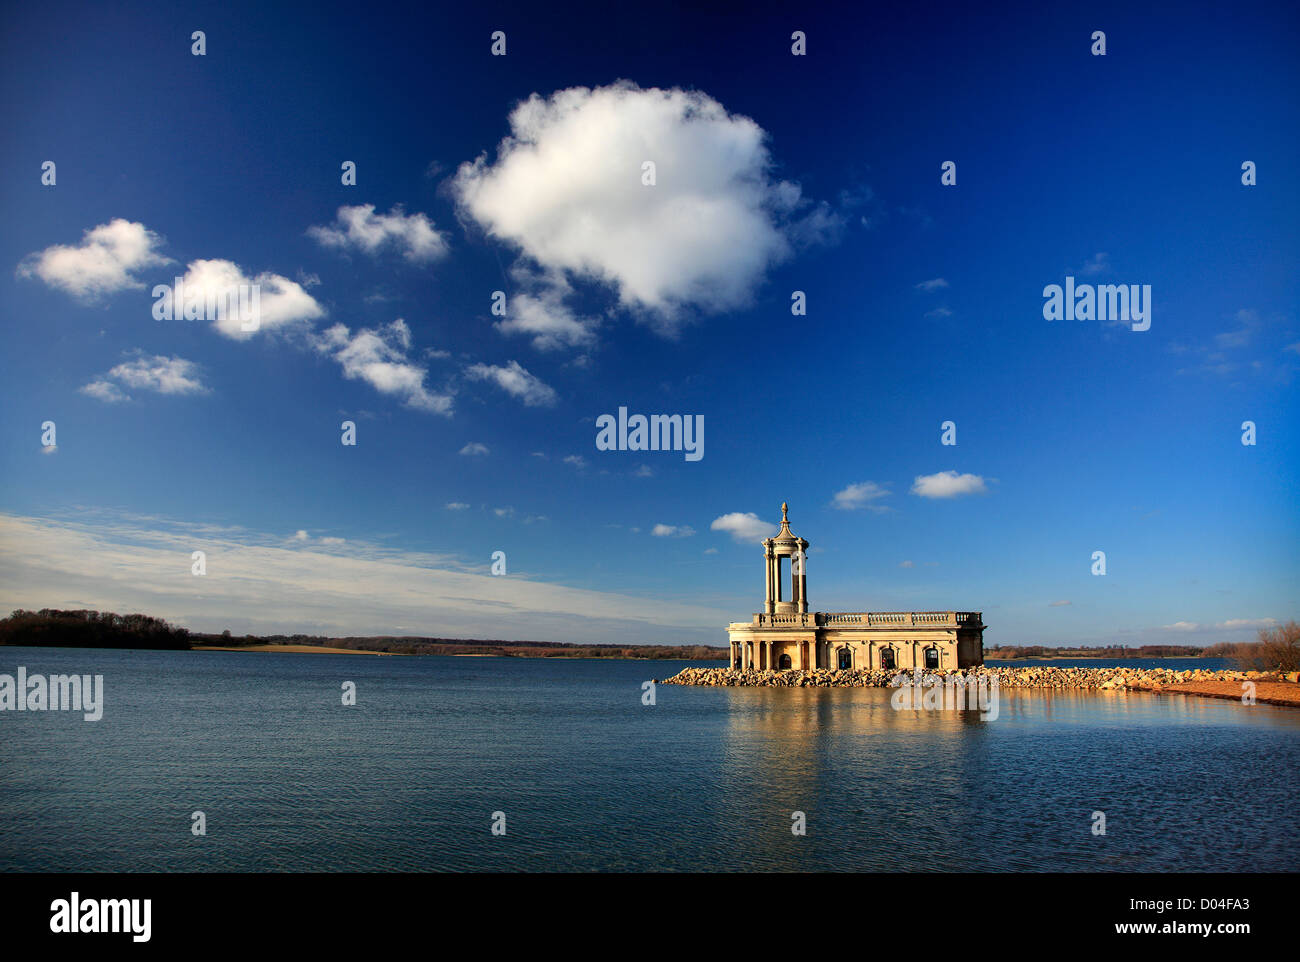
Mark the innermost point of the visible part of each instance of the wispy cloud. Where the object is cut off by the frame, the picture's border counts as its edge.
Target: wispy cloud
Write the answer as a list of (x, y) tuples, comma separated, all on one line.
[(156, 373), (378, 356), (360, 228), (515, 380), (862, 495), (267, 583), (672, 531)]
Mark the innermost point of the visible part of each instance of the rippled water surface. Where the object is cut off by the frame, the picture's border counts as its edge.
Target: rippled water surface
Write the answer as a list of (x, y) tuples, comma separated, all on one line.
[(590, 779)]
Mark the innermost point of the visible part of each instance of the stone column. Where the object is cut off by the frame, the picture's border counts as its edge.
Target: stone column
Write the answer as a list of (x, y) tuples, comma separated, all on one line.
[(767, 580)]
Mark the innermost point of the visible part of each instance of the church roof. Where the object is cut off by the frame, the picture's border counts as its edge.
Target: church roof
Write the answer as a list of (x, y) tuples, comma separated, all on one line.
[(785, 536)]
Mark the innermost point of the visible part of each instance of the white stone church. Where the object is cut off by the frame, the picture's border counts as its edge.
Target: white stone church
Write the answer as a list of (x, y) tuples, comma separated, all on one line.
[(786, 635)]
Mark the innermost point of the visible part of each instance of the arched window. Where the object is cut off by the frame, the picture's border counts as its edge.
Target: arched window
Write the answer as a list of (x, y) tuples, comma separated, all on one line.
[(932, 657), (845, 659), (784, 662), (887, 659)]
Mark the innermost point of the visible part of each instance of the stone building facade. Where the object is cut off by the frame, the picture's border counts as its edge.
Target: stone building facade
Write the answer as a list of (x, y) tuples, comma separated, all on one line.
[(786, 635)]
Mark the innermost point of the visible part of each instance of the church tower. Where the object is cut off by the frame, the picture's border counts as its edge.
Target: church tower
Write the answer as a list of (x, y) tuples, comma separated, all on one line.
[(776, 551)]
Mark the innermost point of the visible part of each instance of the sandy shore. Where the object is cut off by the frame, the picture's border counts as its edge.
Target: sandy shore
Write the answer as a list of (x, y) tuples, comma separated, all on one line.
[(292, 649)]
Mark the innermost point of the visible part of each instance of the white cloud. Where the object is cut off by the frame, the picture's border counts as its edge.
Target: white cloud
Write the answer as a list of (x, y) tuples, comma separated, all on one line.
[(456, 506), (744, 527), (1059, 604), (105, 391), (935, 284), (281, 302), (300, 535), (566, 190), (948, 484), (672, 531), (577, 460), (1099, 263), (515, 381), (1235, 623), (939, 312), (1182, 626), (156, 373), (474, 448), (265, 584), (906, 564), (378, 357), (861, 495), (104, 262), (544, 315), (360, 228)]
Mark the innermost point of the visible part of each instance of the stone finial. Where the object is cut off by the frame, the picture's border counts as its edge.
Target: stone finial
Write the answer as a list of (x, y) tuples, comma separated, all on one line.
[(785, 513)]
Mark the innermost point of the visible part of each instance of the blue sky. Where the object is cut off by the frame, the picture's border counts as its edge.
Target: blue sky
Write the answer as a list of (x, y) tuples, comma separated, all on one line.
[(774, 174)]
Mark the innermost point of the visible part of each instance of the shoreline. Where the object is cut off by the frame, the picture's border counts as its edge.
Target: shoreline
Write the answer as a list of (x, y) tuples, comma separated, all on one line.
[(1270, 688), (296, 649)]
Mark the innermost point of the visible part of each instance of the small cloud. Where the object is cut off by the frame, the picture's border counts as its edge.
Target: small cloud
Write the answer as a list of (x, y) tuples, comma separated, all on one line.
[(103, 263), (1237, 623), (643, 471), (935, 284), (333, 540), (1059, 604), (577, 460), (503, 512), (456, 505), (300, 535), (1098, 263), (672, 531), (158, 374), (360, 228), (947, 484), (939, 312), (515, 381), (474, 448), (1182, 626), (105, 391), (744, 527), (861, 495), (906, 564), (378, 356), (710, 550)]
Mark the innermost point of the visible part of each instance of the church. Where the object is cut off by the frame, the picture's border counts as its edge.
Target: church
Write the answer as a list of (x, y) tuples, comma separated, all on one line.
[(786, 635)]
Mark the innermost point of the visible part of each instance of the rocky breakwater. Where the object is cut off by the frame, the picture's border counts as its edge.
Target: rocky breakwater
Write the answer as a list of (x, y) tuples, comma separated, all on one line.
[(1025, 676)]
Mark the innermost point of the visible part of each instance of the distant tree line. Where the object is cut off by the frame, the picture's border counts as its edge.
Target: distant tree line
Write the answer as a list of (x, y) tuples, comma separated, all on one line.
[(413, 645), (1277, 649), (53, 628), (1100, 651)]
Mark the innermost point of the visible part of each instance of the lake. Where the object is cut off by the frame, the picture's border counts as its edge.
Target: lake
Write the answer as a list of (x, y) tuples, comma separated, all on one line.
[(589, 778)]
